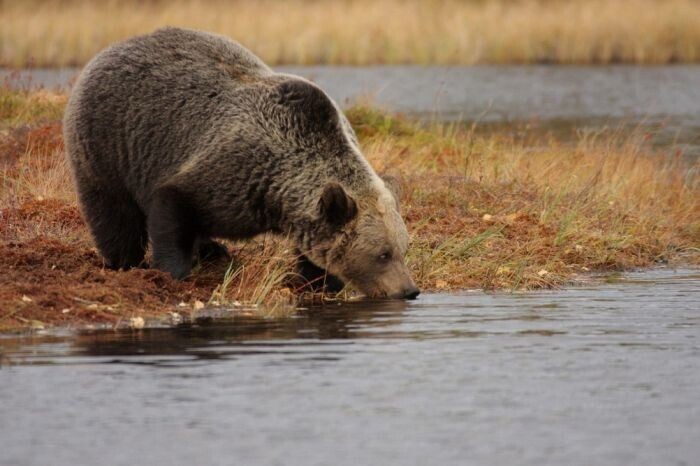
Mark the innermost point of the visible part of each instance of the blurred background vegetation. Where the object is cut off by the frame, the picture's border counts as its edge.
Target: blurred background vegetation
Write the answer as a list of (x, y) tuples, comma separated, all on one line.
[(51, 33)]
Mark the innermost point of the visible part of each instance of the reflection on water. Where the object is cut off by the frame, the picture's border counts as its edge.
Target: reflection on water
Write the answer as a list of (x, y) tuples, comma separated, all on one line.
[(578, 376)]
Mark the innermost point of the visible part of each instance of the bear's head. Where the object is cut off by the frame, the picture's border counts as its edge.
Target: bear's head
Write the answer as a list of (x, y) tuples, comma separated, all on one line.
[(362, 240), (356, 232)]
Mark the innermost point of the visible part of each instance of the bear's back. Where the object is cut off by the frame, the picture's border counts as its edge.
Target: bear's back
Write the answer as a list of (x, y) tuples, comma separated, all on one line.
[(182, 52), (174, 48), (141, 107)]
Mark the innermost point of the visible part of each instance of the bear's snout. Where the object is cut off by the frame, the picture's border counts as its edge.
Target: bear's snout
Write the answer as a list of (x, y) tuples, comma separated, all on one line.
[(411, 293), (396, 283)]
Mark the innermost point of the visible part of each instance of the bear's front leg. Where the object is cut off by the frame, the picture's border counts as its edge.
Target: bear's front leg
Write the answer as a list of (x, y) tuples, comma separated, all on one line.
[(314, 278), (209, 250), (171, 227)]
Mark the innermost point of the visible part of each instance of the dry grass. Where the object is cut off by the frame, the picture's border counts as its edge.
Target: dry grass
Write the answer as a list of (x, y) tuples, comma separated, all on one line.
[(484, 211), (69, 32), (498, 212)]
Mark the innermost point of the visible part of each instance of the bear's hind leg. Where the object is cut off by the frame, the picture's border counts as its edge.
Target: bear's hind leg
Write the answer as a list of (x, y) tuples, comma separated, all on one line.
[(171, 226), (117, 224)]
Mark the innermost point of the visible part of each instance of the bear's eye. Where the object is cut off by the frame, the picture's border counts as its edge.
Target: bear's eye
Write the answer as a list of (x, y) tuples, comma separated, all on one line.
[(385, 256)]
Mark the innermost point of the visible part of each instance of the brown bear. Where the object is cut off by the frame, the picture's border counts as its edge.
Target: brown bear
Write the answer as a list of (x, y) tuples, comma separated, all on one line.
[(181, 136)]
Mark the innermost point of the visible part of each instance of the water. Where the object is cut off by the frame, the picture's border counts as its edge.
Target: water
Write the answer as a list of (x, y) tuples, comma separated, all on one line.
[(494, 93), (602, 375), (663, 100)]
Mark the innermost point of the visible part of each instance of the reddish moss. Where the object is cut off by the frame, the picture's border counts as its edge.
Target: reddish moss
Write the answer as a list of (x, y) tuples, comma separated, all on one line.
[(43, 276)]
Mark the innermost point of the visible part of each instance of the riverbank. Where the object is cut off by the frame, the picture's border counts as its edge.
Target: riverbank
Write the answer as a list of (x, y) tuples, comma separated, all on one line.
[(62, 33), (499, 210)]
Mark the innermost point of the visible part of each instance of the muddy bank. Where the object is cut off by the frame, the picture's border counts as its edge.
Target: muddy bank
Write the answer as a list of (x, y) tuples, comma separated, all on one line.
[(49, 281)]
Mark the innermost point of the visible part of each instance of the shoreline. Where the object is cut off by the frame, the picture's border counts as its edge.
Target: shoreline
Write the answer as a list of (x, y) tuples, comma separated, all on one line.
[(493, 211), (187, 316)]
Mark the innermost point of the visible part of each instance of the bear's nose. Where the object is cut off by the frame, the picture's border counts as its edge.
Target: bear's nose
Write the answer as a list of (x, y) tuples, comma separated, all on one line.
[(411, 293)]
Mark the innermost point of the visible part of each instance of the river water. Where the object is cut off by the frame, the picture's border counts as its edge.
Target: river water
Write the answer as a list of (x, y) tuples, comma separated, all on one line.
[(490, 93), (593, 375), (565, 100)]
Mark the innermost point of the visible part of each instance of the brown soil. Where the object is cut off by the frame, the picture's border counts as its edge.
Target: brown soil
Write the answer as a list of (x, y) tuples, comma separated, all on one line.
[(48, 281)]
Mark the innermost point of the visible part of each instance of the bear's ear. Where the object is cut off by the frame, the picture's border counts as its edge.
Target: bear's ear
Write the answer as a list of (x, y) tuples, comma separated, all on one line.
[(393, 184), (335, 206), (308, 103)]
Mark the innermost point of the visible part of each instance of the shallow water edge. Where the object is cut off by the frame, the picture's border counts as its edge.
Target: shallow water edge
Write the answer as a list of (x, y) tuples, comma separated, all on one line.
[(241, 314), (587, 375)]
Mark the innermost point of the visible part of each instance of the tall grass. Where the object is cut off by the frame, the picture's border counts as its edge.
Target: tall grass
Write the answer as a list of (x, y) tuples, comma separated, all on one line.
[(492, 211), (357, 32), (261, 280)]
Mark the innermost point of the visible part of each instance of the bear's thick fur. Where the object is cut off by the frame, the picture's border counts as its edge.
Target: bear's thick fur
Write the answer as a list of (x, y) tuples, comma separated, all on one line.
[(181, 136)]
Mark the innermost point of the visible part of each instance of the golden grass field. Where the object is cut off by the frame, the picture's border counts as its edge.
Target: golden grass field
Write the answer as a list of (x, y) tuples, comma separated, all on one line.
[(494, 211), (359, 32)]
